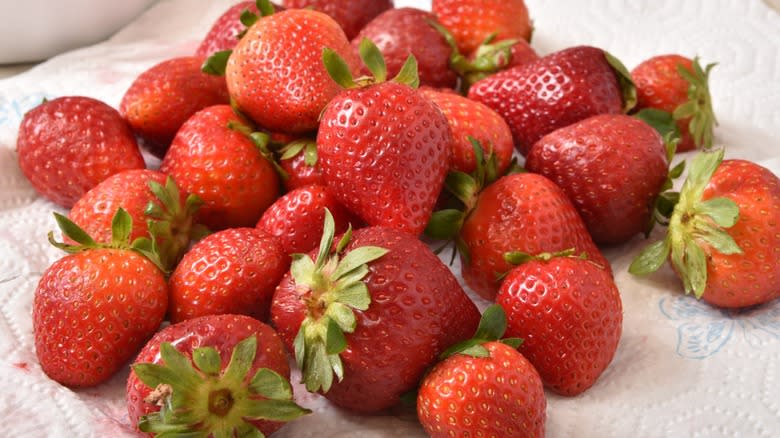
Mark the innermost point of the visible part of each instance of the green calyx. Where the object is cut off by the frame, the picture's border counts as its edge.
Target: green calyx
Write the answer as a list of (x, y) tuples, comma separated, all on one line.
[(375, 62), (261, 140), (306, 146), (627, 86), (492, 327), (696, 226), (197, 399), (216, 64), (518, 257), (667, 199), (699, 105), (335, 290)]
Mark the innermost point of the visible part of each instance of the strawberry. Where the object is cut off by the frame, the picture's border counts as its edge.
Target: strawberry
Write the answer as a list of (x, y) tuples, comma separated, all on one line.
[(375, 316), (95, 308), (229, 27), (384, 148), (350, 15), (473, 21), (404, 31), (68, 145), (216, 158), (471, 119), (275, 75), (296, 218), (217, 375), (723, 239), (298, 160), (679, 87), (232, 271), (163, 97), (555, 91), (574, 339), (611, 166), (483, 387)]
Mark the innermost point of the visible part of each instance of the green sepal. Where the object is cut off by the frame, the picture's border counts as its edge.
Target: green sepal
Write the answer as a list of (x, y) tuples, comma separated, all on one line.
[(445, 224), (492, 326), (74, 232), (207, 360), (662, 121), (275, 410), (265, 7), (271, 385), (409, 75), (170, 223), (248, 18), (627, 86), (305, 145), (337, 68), (699, 104), (650, 259), (723, 211), (518, 257), (216, 64), (373, 59), (121, 227)]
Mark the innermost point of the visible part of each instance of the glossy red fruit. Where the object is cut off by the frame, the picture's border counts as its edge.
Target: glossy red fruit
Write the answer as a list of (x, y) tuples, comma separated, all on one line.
[(226, 30), (163, 97), (520, 212), (468, 118), (569, 314), (68, 145), (552, 92), (472, 21), (500, 395), (404, 31), (611, 166), (350, 15), (275, 74), (214, 159)]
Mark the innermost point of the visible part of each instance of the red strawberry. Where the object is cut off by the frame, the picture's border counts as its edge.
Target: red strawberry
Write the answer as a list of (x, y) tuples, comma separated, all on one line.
[(401, 32), (95, 308), (575, 338), (468, 118), (163, 97), (678, 86), (298, 160), (68, 145), (611, 166), (483, 388), (218, 375), (296, 218), (228, 28), (213, 157), (723, 238), (275, 74), (350, 15), (384, 148), (232, 271), (473, 21), (555, 91), (376, 317)]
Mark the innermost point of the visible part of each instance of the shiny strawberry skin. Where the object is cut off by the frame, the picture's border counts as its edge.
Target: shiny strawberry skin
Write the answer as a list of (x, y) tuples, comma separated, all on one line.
[(569, 314), (296, 218), (555, 91), (222, 332), (468, 118), (472, 21), (92, 311), (163, 97), (70, 144), (611, 166), (223, 34), (349, 14), (276, 74), (753, 277), (500, 395), (520, 212), (417, 310), (404, 31), (384, 151), (223, 167)]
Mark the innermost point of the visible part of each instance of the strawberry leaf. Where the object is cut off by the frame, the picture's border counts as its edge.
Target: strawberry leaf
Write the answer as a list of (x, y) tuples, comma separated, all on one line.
[(627, 86), (337, 68), (445, 224), (492, 325), (660, 120), (408, 74), (74, 232), (270, 384), (216, 64), (723, 211), (699, 105), (373, 60), (650, 259), (265, 7), (207, 360)]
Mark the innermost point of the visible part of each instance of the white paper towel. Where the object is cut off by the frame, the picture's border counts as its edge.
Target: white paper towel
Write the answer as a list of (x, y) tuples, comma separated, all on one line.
[(682, 369)]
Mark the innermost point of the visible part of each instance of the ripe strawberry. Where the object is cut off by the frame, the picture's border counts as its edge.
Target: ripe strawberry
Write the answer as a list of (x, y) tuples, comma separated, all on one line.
[(574, 339), (555, 91), (232, 271), (95, 308), (68, 145), (679, 87), (611, 166), (723, 238), (275, 74), (214, 158), (298, 160), (350, 15), (296, 218), (376, 317), (218, 375), (473, 21), (163, 97), (229, 27), (483, 387), (468, 118), (404, 31), (384, 148)]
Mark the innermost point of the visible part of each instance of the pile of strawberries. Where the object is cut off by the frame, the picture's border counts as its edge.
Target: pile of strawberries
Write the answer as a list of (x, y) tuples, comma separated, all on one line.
[(313, 154)]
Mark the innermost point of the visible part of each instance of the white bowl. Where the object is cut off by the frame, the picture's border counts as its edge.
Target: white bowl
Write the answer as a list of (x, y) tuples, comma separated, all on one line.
[(33, 30)]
